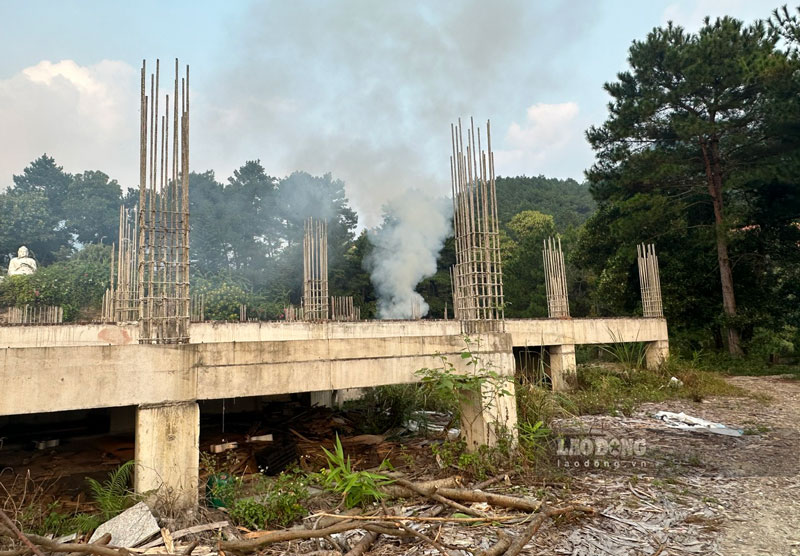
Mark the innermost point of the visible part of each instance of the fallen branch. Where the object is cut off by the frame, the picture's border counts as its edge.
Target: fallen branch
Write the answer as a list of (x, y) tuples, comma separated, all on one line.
[(504, 541), (489, 482), (13, 528), (513, 502), (433, 494), (425, 538), (398, 491), (519, 543), (420, 518), (364, 544), (188, 531), (299, 534)]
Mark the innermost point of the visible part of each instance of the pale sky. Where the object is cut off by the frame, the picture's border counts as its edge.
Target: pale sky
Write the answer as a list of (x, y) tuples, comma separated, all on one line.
[(363, 89)]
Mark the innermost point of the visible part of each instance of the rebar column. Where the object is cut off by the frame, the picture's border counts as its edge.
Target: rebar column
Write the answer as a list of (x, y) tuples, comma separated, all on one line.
[(315, 270), (649, 280), (555, 279), (162, 247), (478, 273)]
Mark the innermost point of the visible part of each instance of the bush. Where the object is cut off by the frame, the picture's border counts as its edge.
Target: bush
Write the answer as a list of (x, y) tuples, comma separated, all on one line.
[(357, 488), (276, 502), (77, 284)]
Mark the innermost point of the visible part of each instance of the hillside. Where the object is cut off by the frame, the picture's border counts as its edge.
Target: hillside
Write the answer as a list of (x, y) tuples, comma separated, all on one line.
[(568, 201)]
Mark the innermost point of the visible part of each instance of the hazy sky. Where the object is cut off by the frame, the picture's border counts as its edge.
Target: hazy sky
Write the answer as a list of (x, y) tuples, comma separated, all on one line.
[(363, 89)]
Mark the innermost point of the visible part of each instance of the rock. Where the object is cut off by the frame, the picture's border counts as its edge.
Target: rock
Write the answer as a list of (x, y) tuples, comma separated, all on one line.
[(130, 528)]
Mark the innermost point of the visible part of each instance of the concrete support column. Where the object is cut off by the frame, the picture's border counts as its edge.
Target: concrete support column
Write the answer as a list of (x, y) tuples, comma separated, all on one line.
[(323, 398), (485, 417), (563, 369), (168, 452), (488, 415), (656, 353)]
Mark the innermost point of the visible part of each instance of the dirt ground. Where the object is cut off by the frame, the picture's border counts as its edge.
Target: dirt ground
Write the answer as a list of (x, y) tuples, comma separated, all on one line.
[(679, 493), (702, 493), (690, 493)]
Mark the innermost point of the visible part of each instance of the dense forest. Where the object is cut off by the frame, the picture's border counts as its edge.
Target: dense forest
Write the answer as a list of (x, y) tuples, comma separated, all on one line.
[(700, 155)]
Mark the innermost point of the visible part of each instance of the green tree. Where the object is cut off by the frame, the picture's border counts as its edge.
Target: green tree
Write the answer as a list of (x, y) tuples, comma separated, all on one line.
[(210, 220), (27, 220), (44, 176), (91, 207), (690, 120), (523, 272), (569, 202)]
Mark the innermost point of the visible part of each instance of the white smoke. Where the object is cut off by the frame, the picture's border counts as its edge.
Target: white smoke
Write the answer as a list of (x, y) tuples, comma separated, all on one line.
[(405, 249)]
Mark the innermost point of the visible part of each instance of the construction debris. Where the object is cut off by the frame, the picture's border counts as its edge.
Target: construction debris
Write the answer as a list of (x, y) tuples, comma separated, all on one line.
[(689, 423), (130, 528)]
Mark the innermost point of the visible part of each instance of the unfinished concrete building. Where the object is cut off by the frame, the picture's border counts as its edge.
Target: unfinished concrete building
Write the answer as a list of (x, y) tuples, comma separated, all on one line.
[(162, 366)]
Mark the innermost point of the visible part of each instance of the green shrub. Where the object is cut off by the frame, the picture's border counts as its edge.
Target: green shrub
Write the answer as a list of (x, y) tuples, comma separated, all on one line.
[(114, 495), (357, 488), (276, 502), (76, 284)]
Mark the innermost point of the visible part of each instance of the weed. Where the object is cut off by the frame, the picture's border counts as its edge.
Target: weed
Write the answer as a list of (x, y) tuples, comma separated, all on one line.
[(56, 523), (631, 355), (533, 439), (113, 496), (357, 488), (276, 502), (755, 428), (30, 504)]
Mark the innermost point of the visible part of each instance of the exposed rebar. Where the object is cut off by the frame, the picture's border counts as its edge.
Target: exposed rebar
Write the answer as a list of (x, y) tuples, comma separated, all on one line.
[(162, 247), (555, 279), (315, 270), (477, 277), (649, 280)]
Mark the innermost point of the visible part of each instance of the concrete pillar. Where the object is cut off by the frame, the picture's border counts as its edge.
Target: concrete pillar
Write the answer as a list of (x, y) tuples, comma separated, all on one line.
[(323, 398), (656, 353), (563, 369), (485, 417), (490, 414), (168, 452), (348, 395)]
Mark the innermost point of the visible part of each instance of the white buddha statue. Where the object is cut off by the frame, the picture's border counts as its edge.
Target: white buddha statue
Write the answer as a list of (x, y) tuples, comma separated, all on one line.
[(22, 264)]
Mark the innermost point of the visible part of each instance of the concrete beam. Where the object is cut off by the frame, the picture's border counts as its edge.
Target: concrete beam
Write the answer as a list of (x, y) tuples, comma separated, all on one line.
[(168, 453), (524, 332), (42, 380)]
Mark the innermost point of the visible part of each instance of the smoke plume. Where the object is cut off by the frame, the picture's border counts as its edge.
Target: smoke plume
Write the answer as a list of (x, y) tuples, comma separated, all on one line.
[(405, 249)]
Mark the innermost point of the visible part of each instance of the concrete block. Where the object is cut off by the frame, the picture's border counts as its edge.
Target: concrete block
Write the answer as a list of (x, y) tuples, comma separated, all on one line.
[(130, 528)]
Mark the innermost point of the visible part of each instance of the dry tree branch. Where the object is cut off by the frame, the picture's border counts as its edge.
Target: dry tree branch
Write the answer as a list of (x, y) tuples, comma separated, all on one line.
[(519, 543)]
